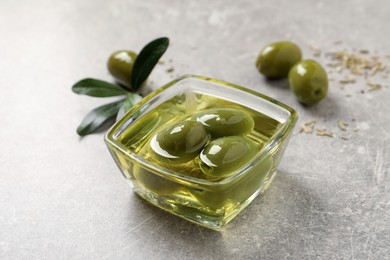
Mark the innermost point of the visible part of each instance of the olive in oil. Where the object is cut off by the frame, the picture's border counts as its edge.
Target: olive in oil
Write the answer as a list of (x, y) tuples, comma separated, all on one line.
[(181, 186)]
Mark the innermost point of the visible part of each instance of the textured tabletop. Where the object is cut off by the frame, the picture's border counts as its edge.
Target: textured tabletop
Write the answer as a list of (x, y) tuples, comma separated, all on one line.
[(62, 197)]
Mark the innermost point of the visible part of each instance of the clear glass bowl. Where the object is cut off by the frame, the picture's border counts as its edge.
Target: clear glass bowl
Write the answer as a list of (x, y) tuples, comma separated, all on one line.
[(180, 188)]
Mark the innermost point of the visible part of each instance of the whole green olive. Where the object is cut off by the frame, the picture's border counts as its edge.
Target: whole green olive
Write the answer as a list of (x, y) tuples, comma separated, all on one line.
[(225, 121), (179, 142), (240, 191), (223, 156), (120, 65), (276, 59), (153, 182), (308, 81)]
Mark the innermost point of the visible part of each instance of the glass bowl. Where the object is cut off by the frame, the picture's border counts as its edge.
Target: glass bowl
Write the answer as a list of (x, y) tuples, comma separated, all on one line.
[(181, 188)]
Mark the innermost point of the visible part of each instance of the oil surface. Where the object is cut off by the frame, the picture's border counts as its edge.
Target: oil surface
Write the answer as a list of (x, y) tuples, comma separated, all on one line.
[(180, 108)]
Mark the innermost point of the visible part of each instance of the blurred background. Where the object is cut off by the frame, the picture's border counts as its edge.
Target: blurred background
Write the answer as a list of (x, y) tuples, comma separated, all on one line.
[(62, 197)]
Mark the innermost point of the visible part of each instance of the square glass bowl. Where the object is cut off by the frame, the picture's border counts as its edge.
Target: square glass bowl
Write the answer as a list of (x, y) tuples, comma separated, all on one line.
[(181, 188)]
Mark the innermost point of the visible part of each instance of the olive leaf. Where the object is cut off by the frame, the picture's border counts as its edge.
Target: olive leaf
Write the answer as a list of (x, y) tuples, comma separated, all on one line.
[(94, 119), (129, 102), (97, 88), (143, 66), (146, 60)]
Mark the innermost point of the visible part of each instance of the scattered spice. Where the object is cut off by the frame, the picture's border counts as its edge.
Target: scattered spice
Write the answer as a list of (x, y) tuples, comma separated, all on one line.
[(342, 125), (356, 63), (349, 79), (373, 86), (339, 69), (308, 127), (344, 137), (323, 132), (375, 69), (170, 69), (316, 51), (338, 42)]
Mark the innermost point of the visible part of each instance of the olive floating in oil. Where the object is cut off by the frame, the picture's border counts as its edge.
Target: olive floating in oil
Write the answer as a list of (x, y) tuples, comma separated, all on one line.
[(223, 156), (180, 142), (225, 121)]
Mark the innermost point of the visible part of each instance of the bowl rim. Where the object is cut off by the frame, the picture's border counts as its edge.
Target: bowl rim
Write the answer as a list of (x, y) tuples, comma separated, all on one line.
[(276, 138)]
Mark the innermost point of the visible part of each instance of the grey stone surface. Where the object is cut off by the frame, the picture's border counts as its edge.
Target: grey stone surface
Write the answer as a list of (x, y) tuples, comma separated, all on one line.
[(62, 197)]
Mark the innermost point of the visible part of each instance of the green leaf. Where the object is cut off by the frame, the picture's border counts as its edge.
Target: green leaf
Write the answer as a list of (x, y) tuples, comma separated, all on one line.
[(129, 102), (97, 117), (146, 60), (97, 88)]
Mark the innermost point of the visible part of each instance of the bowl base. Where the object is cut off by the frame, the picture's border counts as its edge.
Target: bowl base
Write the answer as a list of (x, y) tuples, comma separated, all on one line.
[(212, 219)]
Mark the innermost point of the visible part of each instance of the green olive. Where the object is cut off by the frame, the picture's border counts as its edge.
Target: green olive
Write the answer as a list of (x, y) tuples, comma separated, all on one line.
[(225, 121), (275, 60), (120, 65), (254, 179), (179, 142), (223, 156), (153, 182), (308, 81)]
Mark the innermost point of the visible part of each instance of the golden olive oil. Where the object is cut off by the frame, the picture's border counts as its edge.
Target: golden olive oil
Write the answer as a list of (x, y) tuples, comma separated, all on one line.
[(182, 188)]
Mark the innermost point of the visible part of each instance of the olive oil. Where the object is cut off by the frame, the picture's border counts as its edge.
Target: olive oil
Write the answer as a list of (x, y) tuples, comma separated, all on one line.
[(182, 187)]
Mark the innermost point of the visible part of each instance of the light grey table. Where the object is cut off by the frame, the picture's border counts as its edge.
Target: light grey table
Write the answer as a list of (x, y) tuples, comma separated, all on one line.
[(62, 197)]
